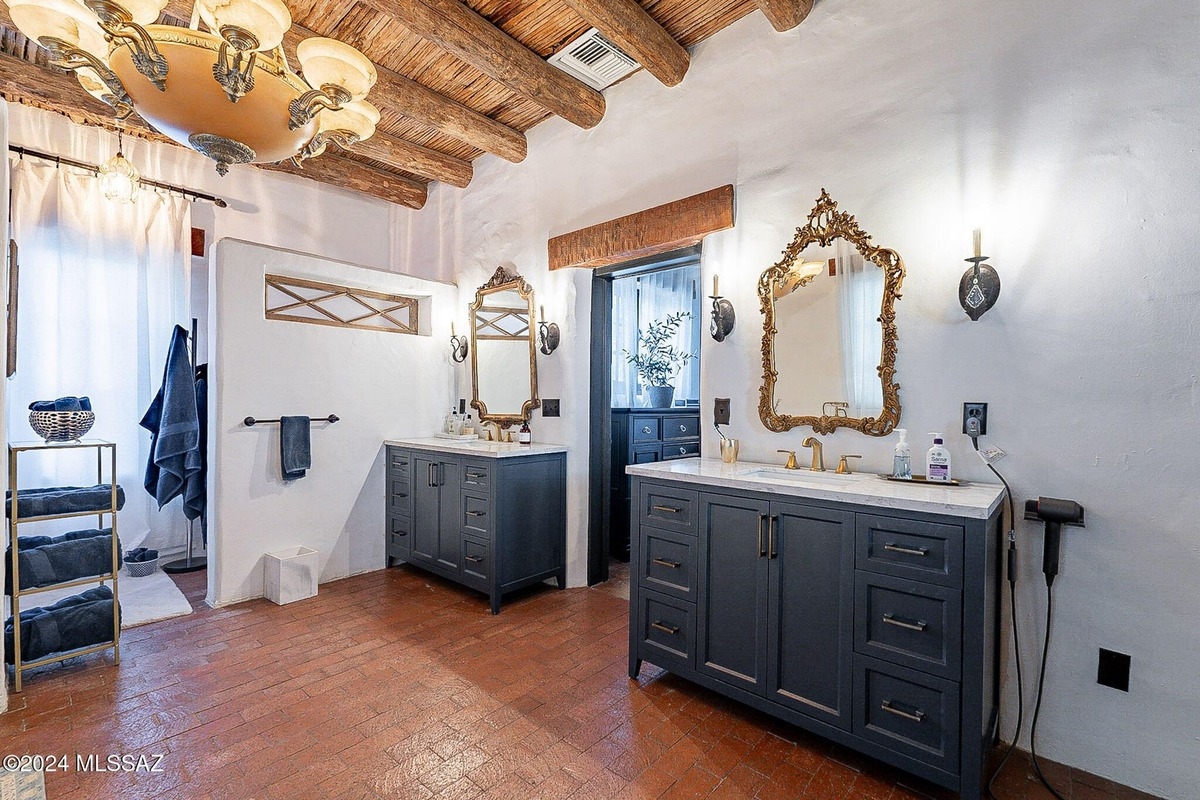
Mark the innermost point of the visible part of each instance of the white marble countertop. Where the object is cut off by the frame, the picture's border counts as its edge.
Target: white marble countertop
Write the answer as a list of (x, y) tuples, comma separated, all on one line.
[(970, 499), (477, 447)]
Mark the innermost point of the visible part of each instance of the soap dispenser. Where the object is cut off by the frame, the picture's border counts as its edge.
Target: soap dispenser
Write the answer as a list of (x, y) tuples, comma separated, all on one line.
[(902, 458), (937, 462), (525, 436)]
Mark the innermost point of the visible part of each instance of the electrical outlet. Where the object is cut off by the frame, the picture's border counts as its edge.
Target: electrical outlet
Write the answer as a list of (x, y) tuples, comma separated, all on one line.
[(550, 408), (1113, 670), (721, 410), (974, 419)]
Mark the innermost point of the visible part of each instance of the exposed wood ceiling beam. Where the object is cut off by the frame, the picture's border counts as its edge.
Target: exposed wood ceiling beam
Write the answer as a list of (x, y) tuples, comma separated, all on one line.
[(458, 30), (785, 14), (53, 90), (627, 25), (405, 155)]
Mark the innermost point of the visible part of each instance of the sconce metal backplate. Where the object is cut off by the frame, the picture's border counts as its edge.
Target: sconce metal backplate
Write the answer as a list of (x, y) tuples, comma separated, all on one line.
[(979, 288), (826, 223)]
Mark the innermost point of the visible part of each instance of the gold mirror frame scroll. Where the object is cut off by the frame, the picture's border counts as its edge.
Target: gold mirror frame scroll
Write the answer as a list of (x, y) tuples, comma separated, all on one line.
[(826, 223), (503, 280)]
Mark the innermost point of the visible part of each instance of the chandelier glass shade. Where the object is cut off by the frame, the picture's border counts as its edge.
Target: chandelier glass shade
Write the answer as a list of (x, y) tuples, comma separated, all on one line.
[(222, 86)]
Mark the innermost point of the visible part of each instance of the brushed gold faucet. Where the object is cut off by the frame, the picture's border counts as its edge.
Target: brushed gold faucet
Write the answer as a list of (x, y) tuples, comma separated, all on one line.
[(818, 459), (488, 427), (843, 467), (791, 462)]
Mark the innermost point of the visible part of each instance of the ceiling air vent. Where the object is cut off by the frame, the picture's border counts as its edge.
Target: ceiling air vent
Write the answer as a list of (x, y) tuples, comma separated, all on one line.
[(594, 60)]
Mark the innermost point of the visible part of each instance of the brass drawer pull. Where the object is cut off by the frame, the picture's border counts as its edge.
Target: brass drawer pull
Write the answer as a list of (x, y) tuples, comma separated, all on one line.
[(662, 562), (671, 629), (474, 559), (908, 551), (919, 626), (646, 429), (476, 513), (917, 716), (667, 509)]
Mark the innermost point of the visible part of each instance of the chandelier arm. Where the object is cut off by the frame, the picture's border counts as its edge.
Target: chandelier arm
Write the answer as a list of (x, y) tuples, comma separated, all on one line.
[(305, 107), (66, 56), (235, 76), (145, 54), (343, 139)]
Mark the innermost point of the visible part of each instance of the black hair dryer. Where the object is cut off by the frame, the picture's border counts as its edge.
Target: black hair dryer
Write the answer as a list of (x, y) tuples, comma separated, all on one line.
[(1055, 513)]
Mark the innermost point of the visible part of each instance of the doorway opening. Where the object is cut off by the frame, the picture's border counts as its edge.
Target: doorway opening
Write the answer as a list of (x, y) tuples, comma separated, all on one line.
[(634, 420)]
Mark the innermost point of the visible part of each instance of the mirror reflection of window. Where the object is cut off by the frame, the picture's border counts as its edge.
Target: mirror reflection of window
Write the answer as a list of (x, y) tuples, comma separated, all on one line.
[(860, 295), (637, 301)]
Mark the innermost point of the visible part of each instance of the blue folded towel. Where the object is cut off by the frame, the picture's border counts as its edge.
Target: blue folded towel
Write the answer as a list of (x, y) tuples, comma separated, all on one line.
[(62, 404), (295, 450), (140, 554)]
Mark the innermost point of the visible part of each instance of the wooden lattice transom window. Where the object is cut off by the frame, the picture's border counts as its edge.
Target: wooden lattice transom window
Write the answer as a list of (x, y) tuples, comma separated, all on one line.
[(298, 300)]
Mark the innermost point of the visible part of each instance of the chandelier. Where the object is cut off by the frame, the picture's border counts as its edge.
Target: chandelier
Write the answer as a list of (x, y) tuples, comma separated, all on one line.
[(221, 86)]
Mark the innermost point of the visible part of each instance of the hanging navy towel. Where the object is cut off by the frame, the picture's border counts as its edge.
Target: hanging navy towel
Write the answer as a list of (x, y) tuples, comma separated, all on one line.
[(295, 450), (171, 418), (194, 489)]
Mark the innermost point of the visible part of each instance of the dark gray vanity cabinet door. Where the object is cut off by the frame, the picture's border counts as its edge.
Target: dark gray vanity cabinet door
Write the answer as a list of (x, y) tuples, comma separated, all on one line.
[(426, 510), (810, 611), (448, 475), (732, 590)]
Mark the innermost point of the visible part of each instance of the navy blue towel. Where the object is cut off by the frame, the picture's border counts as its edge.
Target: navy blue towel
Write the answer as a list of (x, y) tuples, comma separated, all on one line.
[(194, 490), (295, 449), (172, 419), (62, 404), (77, 621)]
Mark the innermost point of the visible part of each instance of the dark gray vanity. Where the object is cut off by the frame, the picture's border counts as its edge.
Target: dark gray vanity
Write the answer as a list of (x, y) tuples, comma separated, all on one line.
[(857, 608), (489, 516)]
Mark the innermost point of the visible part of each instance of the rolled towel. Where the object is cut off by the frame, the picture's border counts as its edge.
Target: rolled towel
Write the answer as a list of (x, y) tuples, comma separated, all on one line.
[(62, 404)]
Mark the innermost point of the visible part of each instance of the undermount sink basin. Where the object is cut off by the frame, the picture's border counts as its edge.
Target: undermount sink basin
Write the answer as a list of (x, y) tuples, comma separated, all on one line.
[(802, 475)]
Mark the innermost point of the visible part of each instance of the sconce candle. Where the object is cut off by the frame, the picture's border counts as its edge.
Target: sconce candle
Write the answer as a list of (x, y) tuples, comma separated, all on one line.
[(979, 287), (458, 346), (548, 333)]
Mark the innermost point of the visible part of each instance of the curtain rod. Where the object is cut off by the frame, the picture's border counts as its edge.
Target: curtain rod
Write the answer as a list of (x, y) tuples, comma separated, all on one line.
[(70, 162)]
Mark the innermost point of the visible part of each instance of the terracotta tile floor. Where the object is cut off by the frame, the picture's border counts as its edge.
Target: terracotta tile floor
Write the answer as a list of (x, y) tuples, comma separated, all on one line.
[(395, 684)]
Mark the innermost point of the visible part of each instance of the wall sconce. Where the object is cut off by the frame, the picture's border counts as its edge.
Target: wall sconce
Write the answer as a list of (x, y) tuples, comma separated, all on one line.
[(722, 315), (980, 284), (458, 346), (548, 333)]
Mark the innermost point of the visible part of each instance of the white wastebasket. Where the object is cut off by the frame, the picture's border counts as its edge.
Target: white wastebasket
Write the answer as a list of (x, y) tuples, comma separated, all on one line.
[(291, 575)]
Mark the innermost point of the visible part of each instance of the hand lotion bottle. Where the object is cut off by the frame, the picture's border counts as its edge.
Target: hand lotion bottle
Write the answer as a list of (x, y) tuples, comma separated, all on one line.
[(937, 462)]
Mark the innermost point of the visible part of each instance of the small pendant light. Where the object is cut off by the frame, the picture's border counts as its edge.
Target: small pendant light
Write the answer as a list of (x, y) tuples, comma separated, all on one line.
[(119, 179)]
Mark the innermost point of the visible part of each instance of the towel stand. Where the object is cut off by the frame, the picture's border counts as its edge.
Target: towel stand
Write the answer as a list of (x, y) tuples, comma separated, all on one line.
[(250, 422)]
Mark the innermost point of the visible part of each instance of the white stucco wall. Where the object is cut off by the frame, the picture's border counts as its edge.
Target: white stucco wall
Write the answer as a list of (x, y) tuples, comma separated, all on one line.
[(1066, 131), (381, 385)]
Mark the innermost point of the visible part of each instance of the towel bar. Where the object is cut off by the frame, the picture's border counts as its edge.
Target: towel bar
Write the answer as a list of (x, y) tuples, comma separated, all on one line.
[(250, 422)]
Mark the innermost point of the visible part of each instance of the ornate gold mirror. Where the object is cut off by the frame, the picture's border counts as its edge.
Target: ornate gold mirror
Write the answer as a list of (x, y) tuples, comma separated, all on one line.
[(503, 355), (829, 329)]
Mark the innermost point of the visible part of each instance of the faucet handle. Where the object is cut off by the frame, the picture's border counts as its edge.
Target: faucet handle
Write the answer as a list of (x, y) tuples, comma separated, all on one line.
[(843, 468), (791, 462)]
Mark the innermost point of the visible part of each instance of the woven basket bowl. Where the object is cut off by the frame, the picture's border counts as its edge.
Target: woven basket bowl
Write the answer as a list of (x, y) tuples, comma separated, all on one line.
[(61, 426), (140, 569)]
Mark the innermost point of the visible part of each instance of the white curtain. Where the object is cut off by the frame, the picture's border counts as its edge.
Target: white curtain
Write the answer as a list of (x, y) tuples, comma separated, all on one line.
[(637, 301), (860, 293), (102, 285)]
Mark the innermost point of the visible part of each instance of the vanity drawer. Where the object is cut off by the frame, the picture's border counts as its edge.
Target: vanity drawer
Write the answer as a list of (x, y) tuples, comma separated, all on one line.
[(907, 711), (665, 507), (680, 427), (476, 515), (476, 476), (397, 493), (398, 541), (645, 429), (398, 463), (925, 551), (666, 627), (669, 563), (680, 450), (905, 622), (645, 455), (477, 563)]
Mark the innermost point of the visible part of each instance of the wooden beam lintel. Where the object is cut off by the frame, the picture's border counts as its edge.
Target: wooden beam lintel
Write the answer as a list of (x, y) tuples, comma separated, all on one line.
[(661, 229)]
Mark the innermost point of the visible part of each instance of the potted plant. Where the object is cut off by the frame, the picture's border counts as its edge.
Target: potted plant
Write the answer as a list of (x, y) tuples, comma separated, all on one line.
[(657, 361)]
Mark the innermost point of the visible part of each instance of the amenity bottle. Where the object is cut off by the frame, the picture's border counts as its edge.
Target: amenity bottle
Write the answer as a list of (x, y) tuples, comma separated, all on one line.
[(902, 457), (937, 462)]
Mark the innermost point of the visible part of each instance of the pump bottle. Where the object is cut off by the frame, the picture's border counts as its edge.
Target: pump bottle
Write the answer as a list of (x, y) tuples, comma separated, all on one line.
[(937, 462), (902, 457)]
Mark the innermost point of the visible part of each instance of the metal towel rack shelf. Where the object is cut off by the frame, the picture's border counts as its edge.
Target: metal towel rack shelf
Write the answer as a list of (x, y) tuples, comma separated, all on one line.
[(250, 422)]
